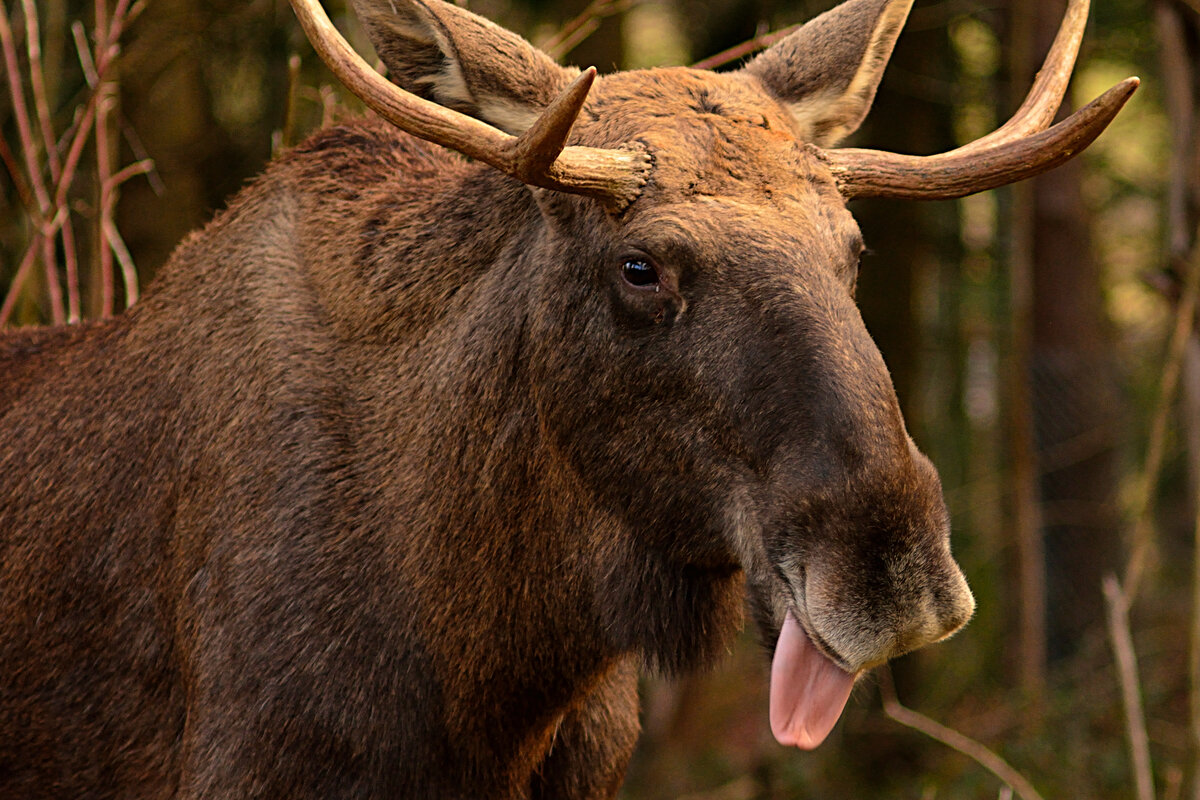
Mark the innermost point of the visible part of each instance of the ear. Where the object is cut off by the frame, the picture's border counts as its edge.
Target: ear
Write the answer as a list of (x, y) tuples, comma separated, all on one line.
[(447, 54), (827, 72)]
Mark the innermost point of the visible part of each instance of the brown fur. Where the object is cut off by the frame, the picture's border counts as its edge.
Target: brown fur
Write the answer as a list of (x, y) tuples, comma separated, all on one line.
[(391, 481)]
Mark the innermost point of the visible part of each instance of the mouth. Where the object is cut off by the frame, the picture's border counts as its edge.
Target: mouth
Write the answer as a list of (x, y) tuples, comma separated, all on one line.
[(799, 610), (810, 682), (808, 688)]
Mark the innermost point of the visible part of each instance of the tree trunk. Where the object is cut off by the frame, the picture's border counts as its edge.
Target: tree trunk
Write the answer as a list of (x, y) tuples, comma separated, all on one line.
[(1075, 399)]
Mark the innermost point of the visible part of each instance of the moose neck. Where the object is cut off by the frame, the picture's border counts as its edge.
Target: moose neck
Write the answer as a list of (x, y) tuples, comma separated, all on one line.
[(426, 283)]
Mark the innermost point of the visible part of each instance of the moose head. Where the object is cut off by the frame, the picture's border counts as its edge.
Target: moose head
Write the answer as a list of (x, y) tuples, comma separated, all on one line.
[(700, 363)]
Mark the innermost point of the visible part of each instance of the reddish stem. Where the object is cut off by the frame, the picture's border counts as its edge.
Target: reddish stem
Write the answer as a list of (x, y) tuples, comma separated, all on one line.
[(744, 49)]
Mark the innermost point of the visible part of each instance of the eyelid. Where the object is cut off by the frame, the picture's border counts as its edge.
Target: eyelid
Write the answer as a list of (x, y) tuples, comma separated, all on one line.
[(637, 252)]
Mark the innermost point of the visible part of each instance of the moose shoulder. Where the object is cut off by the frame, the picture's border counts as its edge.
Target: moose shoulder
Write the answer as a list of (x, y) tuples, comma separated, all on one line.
[(407, 462)]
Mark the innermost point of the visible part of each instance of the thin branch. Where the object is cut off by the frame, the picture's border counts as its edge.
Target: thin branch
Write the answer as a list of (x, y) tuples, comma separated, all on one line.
[(105, 99), (287, 136), (108, 198), (14, 172), (37, 81), (32, 167), (131, 138), (952, 739), (328, 99), (1173, 785), (53, 161), (14, 288), (47, 198), (577, 37), (568, 37), (85, 54), (1143, 511), (1118, 602), (1120, 595), (71, 265), (744, 49), (1194, 655), (128, 272), (1179, 95), (75, 153), (40, 237), (143, 167), (21, 112)]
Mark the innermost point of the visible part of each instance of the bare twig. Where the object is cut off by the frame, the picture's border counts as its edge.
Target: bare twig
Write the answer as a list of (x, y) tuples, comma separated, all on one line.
[(18, 281), (128, 273), (744, 49), (36, 243), (41, 102), (568, 37), (577, 37), (952, 739), (37, 82), (1173, 787), (108, 196), (1120, 595), (32, 166), (1118, 602), (20, 110), (143, 167), (85, 54), (14, 172), (1194, 5), (328, 99), (1194, 657), (287, 136), (1176, 60), (46, 182), (1143, 511)]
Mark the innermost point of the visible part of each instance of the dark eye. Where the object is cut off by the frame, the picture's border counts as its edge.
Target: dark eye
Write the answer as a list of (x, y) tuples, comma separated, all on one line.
[(639, 272)]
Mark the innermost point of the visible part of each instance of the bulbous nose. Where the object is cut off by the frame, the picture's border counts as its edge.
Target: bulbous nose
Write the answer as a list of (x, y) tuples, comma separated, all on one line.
[(945, 606), (955, 613), (880, 580), (919, 599)]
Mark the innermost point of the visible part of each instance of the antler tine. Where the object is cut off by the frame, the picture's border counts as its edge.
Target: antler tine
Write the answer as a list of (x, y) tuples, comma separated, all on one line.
[(1022, 148), (537, 158), (873, 173), (538, 147), (1049, 86)]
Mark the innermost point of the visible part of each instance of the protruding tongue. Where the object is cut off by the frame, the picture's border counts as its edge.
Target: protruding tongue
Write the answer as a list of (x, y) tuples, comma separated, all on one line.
[(808, 691)]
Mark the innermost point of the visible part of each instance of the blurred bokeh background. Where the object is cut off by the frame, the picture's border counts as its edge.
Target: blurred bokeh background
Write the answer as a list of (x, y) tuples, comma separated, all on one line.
[(1039, 338)]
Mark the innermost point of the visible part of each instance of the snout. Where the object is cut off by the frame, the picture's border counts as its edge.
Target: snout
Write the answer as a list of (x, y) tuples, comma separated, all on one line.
[(868, 577), (863, 620), (824, 645), (883, 582), (866, 569)]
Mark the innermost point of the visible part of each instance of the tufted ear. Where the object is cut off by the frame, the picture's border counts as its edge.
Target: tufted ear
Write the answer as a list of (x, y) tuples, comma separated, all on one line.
[(447, 54), (827, 72)]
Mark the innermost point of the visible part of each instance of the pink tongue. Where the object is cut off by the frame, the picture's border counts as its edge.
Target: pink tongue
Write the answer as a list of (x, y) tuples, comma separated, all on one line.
[(808, 691)]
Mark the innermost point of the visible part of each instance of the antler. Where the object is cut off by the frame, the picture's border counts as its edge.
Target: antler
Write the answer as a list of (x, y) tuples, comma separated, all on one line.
[(537, 157), (1023, 147)]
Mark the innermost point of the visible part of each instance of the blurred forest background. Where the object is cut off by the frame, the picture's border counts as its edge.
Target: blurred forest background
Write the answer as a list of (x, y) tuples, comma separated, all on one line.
[(1040, 338)]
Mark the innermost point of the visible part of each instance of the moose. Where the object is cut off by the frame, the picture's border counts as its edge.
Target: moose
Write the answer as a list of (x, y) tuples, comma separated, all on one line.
[(407, 463)]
